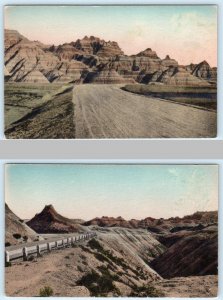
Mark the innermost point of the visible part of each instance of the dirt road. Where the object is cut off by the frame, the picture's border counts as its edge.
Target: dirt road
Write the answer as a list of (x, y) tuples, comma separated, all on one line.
[(106, 111)]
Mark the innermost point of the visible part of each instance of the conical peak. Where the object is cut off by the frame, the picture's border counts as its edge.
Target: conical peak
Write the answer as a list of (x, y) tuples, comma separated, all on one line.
[(49, 208)]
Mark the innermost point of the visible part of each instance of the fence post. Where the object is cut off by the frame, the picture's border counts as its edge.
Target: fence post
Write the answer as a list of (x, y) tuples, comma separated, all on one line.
[(56, 244), (38, 251), (7, 258), (48, 247), (25, 254)]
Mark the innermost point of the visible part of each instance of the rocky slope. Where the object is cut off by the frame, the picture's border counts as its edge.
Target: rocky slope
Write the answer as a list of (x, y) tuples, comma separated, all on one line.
[(16, 231), (49, 221), (92, 59), (195, 253), (204, 71)]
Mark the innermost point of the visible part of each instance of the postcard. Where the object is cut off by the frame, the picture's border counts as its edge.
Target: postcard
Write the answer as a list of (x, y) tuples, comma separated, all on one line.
[(111, 230), (110, 72)]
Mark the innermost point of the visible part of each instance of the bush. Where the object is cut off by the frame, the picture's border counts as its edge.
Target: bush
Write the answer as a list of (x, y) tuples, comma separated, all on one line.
[(146, 291), (94, 244), (17, 236), (99, 285), (47, 291), (101, 257)]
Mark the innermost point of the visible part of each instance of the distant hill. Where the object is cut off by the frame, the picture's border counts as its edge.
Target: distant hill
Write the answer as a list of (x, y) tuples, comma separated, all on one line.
[(158, 225), (50, 221), (93, 60)]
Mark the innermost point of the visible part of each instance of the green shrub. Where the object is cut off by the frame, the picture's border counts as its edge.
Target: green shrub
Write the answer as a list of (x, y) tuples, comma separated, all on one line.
[(101, 257), (94, 244), (99, 285), (17, 236), (146, 291), (47, 291), (104, 270)]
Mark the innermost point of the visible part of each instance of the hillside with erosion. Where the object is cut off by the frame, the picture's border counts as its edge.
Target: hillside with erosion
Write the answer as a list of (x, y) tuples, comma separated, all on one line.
[(93, 60)]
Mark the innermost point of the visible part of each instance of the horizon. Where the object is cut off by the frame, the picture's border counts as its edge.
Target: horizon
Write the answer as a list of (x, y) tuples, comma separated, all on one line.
[(132, 218), (131, 191), (186, 33)]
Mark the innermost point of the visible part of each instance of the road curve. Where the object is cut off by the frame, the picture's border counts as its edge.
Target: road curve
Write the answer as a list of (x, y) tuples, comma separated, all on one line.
[(106, 111)]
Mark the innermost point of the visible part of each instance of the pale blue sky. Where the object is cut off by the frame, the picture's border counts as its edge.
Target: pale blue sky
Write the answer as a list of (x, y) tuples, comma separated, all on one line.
[(132, 191), (187, 33)]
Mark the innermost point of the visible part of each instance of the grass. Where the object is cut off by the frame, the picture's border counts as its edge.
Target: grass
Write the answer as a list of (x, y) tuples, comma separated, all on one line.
[(204, 97), (46, 291), (20, 98), (36, 111)]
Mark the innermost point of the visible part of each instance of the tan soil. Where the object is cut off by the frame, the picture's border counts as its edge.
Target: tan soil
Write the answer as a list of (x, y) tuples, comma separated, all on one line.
[(106, 111)]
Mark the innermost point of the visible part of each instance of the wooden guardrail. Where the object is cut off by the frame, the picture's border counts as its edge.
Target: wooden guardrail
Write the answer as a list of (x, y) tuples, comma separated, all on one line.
[(42, 247)]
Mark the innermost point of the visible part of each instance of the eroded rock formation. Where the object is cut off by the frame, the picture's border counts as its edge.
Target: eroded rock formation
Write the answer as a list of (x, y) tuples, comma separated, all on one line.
[(49, 221), (93, 60)]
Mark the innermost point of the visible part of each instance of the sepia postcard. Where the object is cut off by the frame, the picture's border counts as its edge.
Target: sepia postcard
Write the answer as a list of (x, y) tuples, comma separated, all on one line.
[(106, 230), (102, 72)]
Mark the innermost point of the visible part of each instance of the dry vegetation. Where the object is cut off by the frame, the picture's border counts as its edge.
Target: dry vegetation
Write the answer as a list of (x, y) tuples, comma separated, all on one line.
[(39, 111), (203, 97)]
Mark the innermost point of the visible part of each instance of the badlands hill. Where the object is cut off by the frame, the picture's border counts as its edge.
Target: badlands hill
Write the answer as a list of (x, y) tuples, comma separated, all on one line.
[(50, 221), (16, 231), (192, 253), (93, 60), (172, 224)]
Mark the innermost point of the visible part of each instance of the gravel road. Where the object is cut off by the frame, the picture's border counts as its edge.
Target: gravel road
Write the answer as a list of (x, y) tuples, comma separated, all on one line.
[(106, 111)]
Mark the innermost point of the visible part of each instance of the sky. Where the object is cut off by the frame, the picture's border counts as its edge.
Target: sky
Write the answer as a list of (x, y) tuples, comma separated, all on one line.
[(130, 191), (186, 33)]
